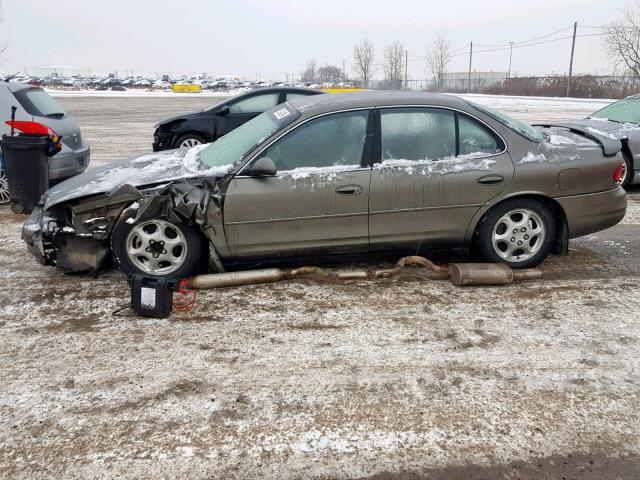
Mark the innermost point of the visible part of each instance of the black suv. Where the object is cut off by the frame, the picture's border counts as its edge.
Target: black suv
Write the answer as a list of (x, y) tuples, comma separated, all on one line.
[(190, 129)]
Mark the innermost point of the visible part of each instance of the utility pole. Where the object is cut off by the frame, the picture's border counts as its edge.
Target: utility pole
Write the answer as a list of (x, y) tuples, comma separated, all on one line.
[(510, 56), (344, 71), (573, 47), (470, 58), (406, 69)]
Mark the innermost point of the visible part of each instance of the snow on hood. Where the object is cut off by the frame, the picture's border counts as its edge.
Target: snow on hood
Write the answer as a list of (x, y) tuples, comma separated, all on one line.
[(148, 169)]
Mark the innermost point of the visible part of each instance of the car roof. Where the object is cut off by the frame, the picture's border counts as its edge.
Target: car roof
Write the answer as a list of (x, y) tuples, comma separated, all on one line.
[(307, 91), (318, 104)]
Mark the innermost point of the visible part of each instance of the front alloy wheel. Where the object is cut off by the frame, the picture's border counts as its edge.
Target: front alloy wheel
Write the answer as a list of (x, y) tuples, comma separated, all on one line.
[(156, 247)]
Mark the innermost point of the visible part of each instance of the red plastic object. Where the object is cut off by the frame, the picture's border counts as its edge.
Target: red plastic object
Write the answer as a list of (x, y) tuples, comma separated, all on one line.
[(31, 127)]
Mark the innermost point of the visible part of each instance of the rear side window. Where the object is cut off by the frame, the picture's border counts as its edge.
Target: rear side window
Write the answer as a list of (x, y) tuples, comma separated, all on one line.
[(255, 104), (417, 134), (294, 96), (39, 103), (476, 138), (332, 140)]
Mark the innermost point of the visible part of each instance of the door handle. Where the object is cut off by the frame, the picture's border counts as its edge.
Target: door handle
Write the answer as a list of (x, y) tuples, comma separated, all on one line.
[(349, 190), (491, 180)]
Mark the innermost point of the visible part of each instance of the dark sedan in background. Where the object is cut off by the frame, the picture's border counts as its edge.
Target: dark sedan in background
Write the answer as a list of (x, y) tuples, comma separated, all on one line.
[(194, 128)]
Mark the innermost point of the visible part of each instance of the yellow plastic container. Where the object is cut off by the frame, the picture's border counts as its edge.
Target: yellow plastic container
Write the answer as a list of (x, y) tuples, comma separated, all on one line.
[(186, 88)]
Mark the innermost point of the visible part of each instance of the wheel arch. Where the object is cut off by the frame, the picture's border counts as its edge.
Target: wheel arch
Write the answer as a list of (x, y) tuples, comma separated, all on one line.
[(628, 154), (561, 243)]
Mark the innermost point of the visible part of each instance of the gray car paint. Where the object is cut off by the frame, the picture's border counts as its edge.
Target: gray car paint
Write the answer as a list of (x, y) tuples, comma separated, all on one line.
[(75, 154), (283, 215)]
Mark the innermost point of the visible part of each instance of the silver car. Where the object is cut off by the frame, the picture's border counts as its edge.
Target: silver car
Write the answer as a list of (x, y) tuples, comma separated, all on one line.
[(34, 104), (339, 174)]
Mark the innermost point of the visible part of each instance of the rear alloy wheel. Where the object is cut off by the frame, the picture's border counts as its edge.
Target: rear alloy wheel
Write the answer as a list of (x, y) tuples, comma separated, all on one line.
[(189, 141), (4, 188), (157, 248), (519, 233)]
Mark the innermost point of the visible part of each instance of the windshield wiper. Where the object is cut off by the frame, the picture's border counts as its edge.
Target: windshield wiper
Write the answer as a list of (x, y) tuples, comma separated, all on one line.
[(55, 115)]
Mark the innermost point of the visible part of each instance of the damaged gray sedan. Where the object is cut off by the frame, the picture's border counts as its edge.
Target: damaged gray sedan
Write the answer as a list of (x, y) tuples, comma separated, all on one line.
[(339, 174)]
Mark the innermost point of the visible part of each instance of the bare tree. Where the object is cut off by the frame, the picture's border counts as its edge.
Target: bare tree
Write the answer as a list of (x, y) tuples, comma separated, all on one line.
[(363, 56), (394, 65), (438, 60), (311, 72), (330, 73), (622, 40)]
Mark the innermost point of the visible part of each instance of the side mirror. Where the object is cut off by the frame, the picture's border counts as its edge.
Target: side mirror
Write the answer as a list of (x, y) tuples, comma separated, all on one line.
[(224, 111), (263, 167)]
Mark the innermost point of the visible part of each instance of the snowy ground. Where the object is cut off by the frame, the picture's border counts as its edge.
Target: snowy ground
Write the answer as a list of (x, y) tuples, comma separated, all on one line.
[(402, 378)]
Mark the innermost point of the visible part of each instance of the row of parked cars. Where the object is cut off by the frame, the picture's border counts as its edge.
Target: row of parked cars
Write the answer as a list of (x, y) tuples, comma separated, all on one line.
[(286, 173)]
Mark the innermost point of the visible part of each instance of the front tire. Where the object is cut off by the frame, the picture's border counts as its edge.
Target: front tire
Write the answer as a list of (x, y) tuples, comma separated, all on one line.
[(156, 248), (190, 140), (519, 233)]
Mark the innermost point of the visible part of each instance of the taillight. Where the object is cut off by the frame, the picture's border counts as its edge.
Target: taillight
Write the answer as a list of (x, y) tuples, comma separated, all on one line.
[(619, 173)]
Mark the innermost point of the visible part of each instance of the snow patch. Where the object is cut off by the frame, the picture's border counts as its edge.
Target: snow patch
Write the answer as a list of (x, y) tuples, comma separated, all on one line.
[(462, 163), (306, 172), (532, 158)]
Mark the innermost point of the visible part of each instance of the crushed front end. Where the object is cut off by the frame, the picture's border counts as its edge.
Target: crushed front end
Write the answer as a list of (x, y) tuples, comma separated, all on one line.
[(75, 237)]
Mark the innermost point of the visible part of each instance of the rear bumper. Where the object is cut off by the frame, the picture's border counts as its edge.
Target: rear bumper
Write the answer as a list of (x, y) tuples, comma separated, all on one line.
[(594, 212), (68, 162)]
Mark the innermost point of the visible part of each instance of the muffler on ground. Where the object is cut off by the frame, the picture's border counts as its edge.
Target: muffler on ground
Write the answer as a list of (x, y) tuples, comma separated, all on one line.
[(460, 274)]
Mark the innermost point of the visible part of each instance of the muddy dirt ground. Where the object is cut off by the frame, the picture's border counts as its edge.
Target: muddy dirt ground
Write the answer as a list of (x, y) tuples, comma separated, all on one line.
[(403, 378)]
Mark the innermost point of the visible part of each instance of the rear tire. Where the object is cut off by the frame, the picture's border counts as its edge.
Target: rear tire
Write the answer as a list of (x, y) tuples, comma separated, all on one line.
[(519, 233), (188, 141), (156, 248)]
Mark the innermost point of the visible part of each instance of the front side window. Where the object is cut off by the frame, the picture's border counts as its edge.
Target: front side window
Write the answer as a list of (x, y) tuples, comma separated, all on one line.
[(333, 140), (475, 138), (255, 104), (417, 134)]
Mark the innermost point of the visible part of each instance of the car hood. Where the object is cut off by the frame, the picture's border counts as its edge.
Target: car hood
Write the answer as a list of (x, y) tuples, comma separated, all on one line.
[(182, 116), (147, 170)]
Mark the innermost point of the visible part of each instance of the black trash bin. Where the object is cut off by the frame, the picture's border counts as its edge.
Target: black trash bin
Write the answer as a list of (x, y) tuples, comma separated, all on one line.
[(27, 169)]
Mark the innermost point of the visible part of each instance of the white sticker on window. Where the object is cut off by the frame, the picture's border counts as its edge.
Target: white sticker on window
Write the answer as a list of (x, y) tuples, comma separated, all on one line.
[(280, 114), (148, 297)]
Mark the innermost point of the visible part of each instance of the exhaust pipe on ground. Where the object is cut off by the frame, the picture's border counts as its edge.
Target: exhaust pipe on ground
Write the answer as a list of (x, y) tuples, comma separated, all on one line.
[(460, 274)]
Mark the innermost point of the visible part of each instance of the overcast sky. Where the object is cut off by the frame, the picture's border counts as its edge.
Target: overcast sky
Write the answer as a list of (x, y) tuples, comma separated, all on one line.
[(269, 38)]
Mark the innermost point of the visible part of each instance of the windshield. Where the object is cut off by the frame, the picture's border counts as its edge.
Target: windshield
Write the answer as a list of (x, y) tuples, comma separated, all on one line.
[(522, 128), (39, 103), (624, 111), (234, 146)]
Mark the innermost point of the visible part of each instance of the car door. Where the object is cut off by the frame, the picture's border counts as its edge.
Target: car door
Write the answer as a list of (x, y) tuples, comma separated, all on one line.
[(318, 200), (243, 110), (434, 169)]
